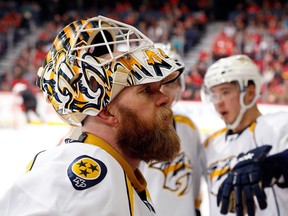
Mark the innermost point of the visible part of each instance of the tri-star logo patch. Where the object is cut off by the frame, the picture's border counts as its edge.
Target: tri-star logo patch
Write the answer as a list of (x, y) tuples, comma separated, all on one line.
[(85, 172)]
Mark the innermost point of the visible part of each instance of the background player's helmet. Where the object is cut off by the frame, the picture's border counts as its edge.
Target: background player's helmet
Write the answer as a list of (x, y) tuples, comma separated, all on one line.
[(84, 69), (19, 87), (237, 68)]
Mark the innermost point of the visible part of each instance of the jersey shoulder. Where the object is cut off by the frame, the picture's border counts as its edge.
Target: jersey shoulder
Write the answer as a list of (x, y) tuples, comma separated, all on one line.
[(280, 117), (78, 160), (272, 122), (182, 119), (217, 134), (272, 129)]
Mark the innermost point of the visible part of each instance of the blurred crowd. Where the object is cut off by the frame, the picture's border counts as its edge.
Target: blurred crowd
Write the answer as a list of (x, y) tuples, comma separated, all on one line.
[(171, 21), (258, 30), (261, 32)]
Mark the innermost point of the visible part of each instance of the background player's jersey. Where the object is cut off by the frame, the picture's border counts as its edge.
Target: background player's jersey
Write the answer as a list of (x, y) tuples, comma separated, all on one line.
[(174, 186), (223, 147), (63, 182)]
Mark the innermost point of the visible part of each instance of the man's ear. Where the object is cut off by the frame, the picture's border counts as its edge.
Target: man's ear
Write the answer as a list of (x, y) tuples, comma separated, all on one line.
[(250, 93), (107, 117)]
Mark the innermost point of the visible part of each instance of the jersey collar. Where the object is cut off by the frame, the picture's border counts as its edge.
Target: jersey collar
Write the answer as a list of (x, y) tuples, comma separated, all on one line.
[(230, 132), (136, 177)]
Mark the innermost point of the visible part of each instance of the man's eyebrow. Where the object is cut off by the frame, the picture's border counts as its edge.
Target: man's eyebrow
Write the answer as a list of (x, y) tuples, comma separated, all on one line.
[(223, 88), (226, 87)]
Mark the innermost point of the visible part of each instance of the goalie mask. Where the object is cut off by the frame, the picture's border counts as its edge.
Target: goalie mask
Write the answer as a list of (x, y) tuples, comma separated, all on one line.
[(84, 71), (237, 68), (176, 88), (172, 52)]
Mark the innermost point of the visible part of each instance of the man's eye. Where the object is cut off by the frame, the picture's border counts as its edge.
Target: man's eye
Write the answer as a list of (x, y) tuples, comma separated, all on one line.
[(147, 90), (226, 92)]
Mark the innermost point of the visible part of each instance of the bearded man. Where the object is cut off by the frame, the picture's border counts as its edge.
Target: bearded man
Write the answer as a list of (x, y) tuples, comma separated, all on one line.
[(115, 97)]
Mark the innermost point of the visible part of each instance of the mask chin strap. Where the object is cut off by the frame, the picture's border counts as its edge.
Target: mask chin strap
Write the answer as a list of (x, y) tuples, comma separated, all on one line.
[(243, 109), (119, 81)]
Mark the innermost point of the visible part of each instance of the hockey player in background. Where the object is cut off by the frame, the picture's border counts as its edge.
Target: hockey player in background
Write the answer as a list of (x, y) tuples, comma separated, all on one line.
[(28, 101), (175, 185), (247, 160)]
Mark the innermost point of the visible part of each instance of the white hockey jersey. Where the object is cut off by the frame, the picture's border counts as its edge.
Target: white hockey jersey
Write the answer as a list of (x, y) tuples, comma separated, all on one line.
[(222, 148), (77, 179), (175, 186)]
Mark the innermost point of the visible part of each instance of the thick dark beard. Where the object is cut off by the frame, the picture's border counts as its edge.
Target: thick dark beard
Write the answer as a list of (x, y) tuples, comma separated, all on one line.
[(140, 139)]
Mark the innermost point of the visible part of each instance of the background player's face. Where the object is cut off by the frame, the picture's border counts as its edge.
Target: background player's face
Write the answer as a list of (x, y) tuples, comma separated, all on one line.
[(225, 98), (145, 128)]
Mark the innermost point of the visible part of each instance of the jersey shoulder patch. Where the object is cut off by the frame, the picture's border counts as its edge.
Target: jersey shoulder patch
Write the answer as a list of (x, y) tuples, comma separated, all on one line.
[(85, 172)]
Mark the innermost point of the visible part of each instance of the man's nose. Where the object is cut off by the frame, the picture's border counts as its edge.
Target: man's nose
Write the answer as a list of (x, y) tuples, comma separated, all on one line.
[(162, 99)]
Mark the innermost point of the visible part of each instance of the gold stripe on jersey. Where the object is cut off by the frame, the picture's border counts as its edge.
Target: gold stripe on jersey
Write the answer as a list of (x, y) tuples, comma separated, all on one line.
[(31, 163), (136, 177), (130, 195), (218, 133), (218, 172), (29, 166), (252, 126), (252, 129), (197, 203), (184, 120)]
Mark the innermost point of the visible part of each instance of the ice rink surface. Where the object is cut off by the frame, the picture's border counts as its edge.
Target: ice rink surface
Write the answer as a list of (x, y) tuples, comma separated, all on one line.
[(19, 145)]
